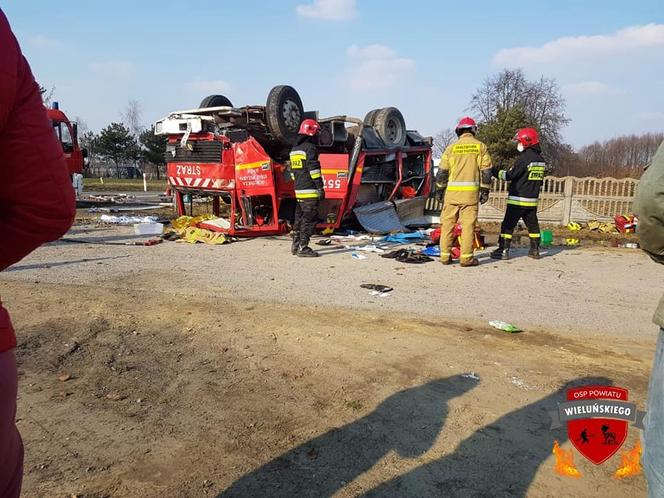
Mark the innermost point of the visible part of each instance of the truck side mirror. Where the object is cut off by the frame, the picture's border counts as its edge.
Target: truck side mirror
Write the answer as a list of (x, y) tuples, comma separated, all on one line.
[(74, 127), (68, 148), (84, 153)]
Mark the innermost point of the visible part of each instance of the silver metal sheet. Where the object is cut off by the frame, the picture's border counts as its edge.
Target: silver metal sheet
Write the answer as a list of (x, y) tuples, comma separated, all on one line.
[(410, 209), (380, 217)]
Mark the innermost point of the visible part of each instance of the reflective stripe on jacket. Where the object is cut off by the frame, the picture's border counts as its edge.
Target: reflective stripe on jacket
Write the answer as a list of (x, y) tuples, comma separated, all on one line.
[(305, 169), (465, 159), (525, 177)]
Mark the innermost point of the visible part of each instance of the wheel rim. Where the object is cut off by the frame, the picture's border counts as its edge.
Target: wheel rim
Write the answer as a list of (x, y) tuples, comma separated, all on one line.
[(393, 131), (291, 115)]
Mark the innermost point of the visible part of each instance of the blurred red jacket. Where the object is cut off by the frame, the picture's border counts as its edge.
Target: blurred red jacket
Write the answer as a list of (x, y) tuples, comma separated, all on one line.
[(37, 202)]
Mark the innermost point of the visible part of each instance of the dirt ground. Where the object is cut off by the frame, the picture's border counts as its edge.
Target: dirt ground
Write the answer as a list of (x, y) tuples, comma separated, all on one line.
[(237, 370)]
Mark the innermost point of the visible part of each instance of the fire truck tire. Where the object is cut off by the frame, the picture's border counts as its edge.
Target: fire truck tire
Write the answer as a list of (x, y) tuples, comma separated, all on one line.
[(215, 101), (390, 126), (283, 113), (370, 117)]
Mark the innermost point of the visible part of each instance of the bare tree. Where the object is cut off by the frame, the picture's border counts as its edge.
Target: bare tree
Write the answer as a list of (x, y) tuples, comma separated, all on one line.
[(82, 126), (132, 118), (619, 157), (541, 100), (441, 140)]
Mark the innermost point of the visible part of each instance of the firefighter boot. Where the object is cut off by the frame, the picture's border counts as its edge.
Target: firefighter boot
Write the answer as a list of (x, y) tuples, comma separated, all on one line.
[(295, 246), (534, 248), (307, 252), (503, 251)]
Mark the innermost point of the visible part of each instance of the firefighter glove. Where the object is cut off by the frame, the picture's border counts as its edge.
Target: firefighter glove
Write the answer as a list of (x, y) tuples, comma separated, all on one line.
[(484, 195), (442, 177)]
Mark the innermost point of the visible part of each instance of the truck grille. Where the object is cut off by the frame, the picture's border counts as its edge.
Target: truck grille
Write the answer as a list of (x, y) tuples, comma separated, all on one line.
[(195, 152)]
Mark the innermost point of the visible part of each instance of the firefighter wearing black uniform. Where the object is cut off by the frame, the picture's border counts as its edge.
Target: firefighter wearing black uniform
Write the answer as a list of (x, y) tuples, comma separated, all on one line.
[(525, 177), (309, 191)]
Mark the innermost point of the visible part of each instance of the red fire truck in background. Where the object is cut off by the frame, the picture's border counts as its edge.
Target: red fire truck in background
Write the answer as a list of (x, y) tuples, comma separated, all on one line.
[(67, 133), (239, 156)]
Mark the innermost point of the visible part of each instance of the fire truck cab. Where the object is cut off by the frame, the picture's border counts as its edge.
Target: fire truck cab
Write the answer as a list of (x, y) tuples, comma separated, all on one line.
[(239, 157), (67, 133)]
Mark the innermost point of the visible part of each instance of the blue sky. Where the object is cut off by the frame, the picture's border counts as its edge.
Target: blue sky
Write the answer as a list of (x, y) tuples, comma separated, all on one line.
[(348, 56)]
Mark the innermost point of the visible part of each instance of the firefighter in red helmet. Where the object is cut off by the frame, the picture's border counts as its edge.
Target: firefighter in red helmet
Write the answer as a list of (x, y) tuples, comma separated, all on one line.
[(525, 177), (465, 178), (309, 191)]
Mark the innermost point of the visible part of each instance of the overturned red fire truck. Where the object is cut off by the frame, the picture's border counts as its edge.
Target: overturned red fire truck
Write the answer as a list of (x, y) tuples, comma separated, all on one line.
[(239, 157)]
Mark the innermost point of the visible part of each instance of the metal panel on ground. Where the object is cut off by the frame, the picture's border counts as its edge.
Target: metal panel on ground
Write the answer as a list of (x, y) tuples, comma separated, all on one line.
[(380, 217)]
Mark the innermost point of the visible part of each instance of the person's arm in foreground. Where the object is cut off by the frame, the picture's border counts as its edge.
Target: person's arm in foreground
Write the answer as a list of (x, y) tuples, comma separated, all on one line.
[(37, 202), (649, 206)]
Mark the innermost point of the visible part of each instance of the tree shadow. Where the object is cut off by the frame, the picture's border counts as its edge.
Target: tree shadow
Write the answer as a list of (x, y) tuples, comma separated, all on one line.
[(498, 460), (407, 422)]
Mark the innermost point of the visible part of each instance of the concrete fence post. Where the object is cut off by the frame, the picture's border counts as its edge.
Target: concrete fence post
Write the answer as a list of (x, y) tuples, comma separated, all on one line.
[(567, 205)]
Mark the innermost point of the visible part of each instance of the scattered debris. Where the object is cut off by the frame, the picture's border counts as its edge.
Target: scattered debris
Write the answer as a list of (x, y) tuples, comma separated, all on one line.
[(407, 256), (367, 248), (519, 383), (431, 251), (217, 224), (358, 256), (504, 326), (149, 228), (594, 225), (149, 242), (126, 208), (573, 226), (64, 377), (471, 375), (626, 223), (352, 236), (405, 238), (380, 294), (115, 396), (192, 230), (126, 220), (377, 287)]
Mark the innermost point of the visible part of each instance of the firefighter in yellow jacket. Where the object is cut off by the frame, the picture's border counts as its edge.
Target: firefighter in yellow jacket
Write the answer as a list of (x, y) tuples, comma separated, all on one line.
[(465, 178)]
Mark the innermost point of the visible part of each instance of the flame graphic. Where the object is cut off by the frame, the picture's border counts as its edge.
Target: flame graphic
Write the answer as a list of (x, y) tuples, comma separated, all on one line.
[(630, 462), (565, 462)]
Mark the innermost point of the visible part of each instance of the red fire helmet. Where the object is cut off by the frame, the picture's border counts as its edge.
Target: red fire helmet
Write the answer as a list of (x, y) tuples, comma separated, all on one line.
[(526, 137), (467, 123), (309, 127)]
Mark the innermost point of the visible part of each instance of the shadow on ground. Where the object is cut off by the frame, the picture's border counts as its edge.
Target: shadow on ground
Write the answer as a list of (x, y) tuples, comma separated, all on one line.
[(498, 460), (42, 266), (407, 422)]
